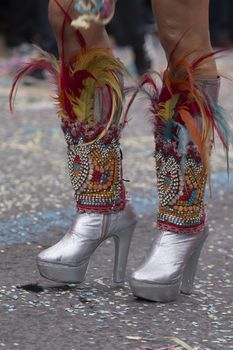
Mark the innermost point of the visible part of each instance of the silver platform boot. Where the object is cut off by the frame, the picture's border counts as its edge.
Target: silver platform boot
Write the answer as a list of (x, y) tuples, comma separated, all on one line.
[(67, 261), (89, 99), (95, 167), (170, 265)]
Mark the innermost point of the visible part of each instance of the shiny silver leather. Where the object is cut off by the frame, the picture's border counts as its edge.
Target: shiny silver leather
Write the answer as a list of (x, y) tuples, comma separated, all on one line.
[(67, 260), (169, 267)]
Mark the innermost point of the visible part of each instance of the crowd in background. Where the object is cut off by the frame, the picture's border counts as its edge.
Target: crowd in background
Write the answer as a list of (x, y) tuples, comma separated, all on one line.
[(24, 22)]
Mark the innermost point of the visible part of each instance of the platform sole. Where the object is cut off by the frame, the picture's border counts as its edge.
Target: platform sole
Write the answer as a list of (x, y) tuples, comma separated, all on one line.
[(155, 292), (63, 273)]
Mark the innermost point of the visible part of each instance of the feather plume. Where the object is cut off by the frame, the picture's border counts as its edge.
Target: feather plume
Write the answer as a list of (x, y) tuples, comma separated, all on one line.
[(77, 82), (167, 108), (46, 62), (181, 100), (93, 69), (153, 93), (195, 134)]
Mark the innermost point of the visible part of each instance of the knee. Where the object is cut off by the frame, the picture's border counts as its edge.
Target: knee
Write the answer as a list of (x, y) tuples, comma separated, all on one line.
[(168, 38), (188, 43), (185, 41), (170, 34)]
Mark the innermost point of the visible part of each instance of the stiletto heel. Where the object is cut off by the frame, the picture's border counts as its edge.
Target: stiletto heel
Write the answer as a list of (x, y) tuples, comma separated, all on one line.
[(122, 244), (190, 270)]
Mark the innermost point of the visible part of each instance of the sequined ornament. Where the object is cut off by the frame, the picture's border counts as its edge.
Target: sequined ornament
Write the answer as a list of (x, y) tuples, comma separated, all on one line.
[(88, 6), (95, 170), (99, 11), (96, 176)]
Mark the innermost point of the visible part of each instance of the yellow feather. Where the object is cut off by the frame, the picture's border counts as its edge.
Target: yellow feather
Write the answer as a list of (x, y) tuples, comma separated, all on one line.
[(84, 106), (166, 109), (104, 67)]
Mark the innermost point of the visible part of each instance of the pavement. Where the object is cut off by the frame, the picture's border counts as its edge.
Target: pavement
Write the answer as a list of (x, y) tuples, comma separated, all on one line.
[(36, 208)]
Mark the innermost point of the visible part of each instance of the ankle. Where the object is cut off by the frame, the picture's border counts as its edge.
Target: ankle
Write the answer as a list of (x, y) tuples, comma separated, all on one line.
[(207, 71)]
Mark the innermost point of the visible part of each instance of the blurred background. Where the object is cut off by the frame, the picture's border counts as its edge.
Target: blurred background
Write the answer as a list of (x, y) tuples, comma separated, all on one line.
[(133, 31)]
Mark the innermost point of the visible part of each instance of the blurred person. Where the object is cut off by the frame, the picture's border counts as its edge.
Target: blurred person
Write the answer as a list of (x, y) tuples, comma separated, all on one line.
[(20, 24), (3, 9), (148, 14), (131, 30), (221, 13), (27, 23), (185, 113), (44, 36)]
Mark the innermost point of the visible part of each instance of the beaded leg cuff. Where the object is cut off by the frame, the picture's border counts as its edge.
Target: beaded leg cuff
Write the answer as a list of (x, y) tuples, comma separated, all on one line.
[(181, 186), (95, 172)]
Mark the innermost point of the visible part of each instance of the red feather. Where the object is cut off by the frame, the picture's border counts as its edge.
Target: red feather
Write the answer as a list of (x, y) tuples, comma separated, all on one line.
[(28, 68), (146, 80)]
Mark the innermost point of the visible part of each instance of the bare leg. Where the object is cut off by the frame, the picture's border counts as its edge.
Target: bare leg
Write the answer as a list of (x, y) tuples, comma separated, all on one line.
[(95, 35), (189, 20)]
